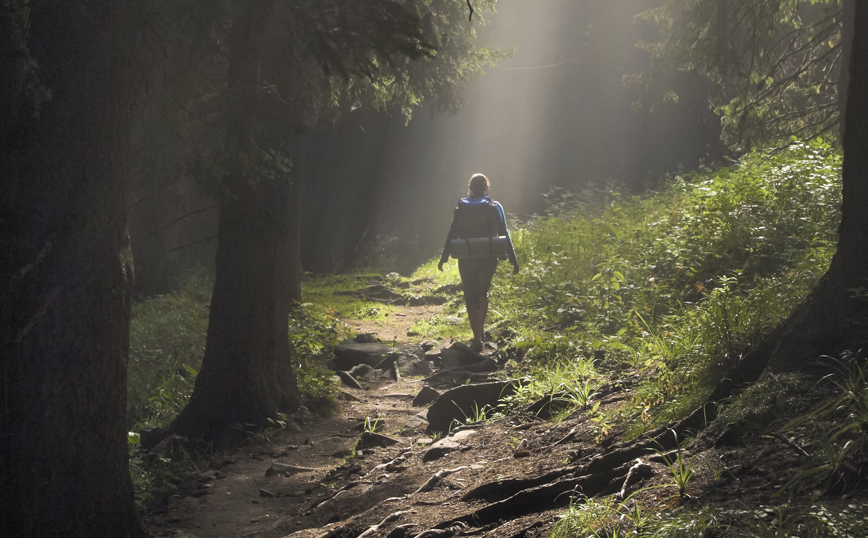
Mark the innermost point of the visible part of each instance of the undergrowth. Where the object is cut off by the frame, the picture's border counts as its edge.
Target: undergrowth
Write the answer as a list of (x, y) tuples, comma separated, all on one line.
[(673, 285), (672, 288), (167, 343)]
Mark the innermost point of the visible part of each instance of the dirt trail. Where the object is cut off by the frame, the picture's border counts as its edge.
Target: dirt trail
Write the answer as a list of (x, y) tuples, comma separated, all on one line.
[(509, 477), (238, 499), (341, 495), (396, 326)]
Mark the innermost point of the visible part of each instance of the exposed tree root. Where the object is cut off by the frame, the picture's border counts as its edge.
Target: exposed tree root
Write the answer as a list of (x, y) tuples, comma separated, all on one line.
[(540, 498), (438, 476), (505, 488)]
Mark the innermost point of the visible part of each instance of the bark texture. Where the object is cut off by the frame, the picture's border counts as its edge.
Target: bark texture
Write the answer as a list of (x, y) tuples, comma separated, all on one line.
[(67, 273)]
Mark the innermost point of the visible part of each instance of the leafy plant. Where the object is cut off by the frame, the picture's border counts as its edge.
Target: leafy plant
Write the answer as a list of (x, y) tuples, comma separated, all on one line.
[(680, 469), (597, 517), (578, 394), (441, 327), (478, 414), (371, 425), (835, 429)]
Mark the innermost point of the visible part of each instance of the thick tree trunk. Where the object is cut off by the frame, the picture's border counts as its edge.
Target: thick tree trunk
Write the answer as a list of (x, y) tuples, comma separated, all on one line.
[(67, 275), (834, 317), (246, 374)]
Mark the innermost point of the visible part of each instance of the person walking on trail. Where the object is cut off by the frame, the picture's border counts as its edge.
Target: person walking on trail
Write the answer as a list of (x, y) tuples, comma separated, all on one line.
[(479, 239)]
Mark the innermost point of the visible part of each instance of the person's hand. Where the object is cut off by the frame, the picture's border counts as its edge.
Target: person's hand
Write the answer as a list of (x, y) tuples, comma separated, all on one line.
[(440, 266), (515, 269)]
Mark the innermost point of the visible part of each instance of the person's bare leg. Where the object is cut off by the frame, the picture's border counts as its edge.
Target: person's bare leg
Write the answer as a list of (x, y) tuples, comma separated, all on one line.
[(476, 317), (483, 313)]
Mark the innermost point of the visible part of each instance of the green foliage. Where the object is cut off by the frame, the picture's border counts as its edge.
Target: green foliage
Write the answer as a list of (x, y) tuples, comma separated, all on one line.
[(569, 381), (822, 520), (325, 296), (702, 523), (441, 327), (770, 66), (167, 342), (834, 432), (753, 411), (675, 284), (371, 425), (311, 336), (680, 469), (589, 517), (606, 517), (477, 415), (156, 476)]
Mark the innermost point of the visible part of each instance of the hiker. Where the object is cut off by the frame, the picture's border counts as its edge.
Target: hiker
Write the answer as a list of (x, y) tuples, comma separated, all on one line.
[(478, 238)]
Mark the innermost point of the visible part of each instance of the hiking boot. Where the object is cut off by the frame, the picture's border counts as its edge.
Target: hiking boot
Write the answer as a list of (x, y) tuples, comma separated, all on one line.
[(476, 346)]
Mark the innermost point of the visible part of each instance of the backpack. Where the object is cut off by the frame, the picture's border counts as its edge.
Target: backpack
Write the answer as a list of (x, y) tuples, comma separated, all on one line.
[(477, 220), (477, 230)]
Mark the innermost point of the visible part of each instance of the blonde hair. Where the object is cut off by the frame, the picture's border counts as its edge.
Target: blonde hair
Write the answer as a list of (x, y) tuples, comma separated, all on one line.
[(478, 185)]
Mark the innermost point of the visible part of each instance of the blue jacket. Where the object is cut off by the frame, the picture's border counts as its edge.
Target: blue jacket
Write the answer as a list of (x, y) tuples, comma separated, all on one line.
[(501, 228)]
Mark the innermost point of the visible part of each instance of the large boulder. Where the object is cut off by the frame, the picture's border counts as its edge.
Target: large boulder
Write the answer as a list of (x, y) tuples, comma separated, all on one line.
[(425, 396), (408, 359), (350, 354), (366, 338), (465, 401), (459, 356), (401, 355)]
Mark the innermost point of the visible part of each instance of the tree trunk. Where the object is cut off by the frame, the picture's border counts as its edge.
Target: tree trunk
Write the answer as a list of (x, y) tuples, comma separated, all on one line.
[(294, 271), (848, 13), (832, 319), (246, 374), (67, 274)]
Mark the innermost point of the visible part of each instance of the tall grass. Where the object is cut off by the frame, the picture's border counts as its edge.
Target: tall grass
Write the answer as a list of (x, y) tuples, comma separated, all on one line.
[(167, 342), (678, 282)]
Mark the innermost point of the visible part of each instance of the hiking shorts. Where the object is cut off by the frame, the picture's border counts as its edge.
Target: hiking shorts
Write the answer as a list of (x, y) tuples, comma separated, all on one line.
[(476, 275)]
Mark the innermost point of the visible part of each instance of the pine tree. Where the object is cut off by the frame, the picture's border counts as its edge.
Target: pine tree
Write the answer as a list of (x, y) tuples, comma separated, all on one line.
[(289, 66), (772, 66)]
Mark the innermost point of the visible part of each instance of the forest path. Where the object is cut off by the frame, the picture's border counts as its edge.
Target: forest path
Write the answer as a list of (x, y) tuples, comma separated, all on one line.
[(307, 481), (397, 325), (500, 477), (320, 486)]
